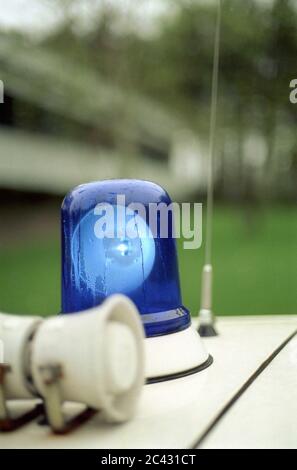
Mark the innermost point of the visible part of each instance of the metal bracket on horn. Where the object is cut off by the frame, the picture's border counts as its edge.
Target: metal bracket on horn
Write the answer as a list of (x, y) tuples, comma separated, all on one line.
[(53, 401)]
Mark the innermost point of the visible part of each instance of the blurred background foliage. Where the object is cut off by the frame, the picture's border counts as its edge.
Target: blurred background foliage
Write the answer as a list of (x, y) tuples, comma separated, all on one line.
[(119, 90)]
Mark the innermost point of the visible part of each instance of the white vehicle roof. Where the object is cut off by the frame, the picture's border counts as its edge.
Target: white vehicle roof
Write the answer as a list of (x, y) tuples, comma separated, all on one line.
[(246, 398)]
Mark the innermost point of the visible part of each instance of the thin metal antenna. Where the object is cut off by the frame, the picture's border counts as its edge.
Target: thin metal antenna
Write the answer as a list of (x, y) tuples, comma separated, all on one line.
[(206, 317)]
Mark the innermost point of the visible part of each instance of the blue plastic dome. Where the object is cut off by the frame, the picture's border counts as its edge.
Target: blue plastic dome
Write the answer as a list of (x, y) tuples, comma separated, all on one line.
[(132, 258)]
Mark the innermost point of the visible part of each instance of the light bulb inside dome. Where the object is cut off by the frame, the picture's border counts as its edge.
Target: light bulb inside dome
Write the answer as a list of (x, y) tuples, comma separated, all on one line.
[(109, 263)]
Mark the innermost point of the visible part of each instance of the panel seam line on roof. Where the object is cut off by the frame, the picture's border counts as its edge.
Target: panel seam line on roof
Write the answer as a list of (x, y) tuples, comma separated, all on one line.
[(241, 391)]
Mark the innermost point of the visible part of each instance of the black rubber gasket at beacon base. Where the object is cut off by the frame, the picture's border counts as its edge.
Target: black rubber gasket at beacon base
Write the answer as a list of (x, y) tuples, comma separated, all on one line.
[(178, 375)]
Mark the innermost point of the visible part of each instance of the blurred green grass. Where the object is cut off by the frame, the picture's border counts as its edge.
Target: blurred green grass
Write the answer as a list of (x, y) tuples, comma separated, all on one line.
[(254, 258)]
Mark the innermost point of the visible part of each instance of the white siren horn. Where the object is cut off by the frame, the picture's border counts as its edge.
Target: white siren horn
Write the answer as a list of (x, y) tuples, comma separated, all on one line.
[(100, 353)]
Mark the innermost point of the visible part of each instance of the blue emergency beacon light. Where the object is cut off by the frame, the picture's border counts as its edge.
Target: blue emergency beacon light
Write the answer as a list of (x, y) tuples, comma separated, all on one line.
[(118, 237)]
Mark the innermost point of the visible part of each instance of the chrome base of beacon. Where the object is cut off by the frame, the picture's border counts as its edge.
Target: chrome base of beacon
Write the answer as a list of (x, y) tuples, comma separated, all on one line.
[(7, 422), (175, 355), (206, 318)]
